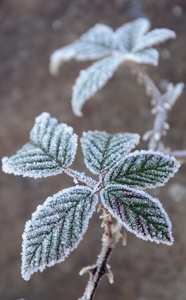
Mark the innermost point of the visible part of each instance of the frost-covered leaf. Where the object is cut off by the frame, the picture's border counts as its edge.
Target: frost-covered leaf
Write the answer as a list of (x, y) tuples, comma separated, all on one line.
[(133, 40), (95, 43), (138, 212), (146, 56), (92, 79), (102, 150), (144, 169), (129, 34), (56, 228), (52, 146), (153, 38)]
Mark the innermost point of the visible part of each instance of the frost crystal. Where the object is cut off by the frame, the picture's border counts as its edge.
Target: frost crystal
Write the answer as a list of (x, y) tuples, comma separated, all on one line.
[(52, 146), (102, 150), (144, 169), (130, 42), (92, 79), (138, 212), (94, 44), (129, 34), (56, 228)]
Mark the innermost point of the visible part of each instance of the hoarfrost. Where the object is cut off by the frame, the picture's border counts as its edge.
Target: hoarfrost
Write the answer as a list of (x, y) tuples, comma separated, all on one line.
[(154, 37), (144, 169), (102, 150), (51, 148), (138, 212), (56, 228), (94, 44), (92, 79), (130, 42)]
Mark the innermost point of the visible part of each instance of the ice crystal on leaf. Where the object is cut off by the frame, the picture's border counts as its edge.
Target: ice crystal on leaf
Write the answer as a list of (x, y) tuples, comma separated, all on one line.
[(130, 42), (102, 150), (143, 169), (95, 43), (51, 147), (139, 213), (132, 37), (56, 228), (92, 79)]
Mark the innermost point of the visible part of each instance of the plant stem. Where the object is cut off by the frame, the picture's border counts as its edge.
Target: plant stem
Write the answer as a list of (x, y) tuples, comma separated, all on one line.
[(162, 104), (80, 176), (110, 237), (179, 155)]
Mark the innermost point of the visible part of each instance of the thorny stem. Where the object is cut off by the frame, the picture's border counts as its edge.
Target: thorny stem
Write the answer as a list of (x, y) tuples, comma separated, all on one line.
[(80, 176), (110, 237), (112, 232), (162, 104), (161, 112)]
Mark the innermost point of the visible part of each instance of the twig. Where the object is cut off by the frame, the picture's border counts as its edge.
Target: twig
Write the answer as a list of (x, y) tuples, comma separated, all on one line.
[(162, 104), (80, 176), (179, 155), (110, 237)]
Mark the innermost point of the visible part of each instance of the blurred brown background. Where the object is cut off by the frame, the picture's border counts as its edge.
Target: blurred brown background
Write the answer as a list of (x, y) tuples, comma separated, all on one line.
[(29, 32)]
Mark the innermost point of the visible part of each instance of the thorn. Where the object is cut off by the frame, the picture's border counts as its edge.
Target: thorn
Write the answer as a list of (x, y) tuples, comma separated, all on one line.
[(166, 126), (75, 180), (154, 110), (167, 106), (157, 136), (124, 240), (99, 208), (109, 274), (147, 135), (90, 269), (124, 236)]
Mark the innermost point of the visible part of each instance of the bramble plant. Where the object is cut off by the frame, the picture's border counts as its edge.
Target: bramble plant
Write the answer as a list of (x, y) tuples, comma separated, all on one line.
[(58, 225)]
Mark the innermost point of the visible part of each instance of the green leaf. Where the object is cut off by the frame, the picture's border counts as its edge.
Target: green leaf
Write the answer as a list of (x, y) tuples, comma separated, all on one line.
[(51, 148), (56, 228), (139, 213), (102, 150), (144, 169), (92, 79)]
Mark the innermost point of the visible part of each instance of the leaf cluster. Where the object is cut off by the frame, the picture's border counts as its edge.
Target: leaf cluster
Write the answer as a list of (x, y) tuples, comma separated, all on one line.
[(58, 225), (131, 42)]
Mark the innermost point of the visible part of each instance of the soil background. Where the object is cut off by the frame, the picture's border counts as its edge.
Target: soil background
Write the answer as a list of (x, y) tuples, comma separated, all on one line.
[(29, 32)]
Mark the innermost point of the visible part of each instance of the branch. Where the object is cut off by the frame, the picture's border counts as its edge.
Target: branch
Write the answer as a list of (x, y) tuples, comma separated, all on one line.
[(162, 104), (179, 155), (110, 237), (80, 176)]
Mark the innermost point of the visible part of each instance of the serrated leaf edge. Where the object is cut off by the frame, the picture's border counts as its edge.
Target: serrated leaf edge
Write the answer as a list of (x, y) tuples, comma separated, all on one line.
[(154, 200), (150, 152), (26, 276), (74, 138), (84, 133)]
